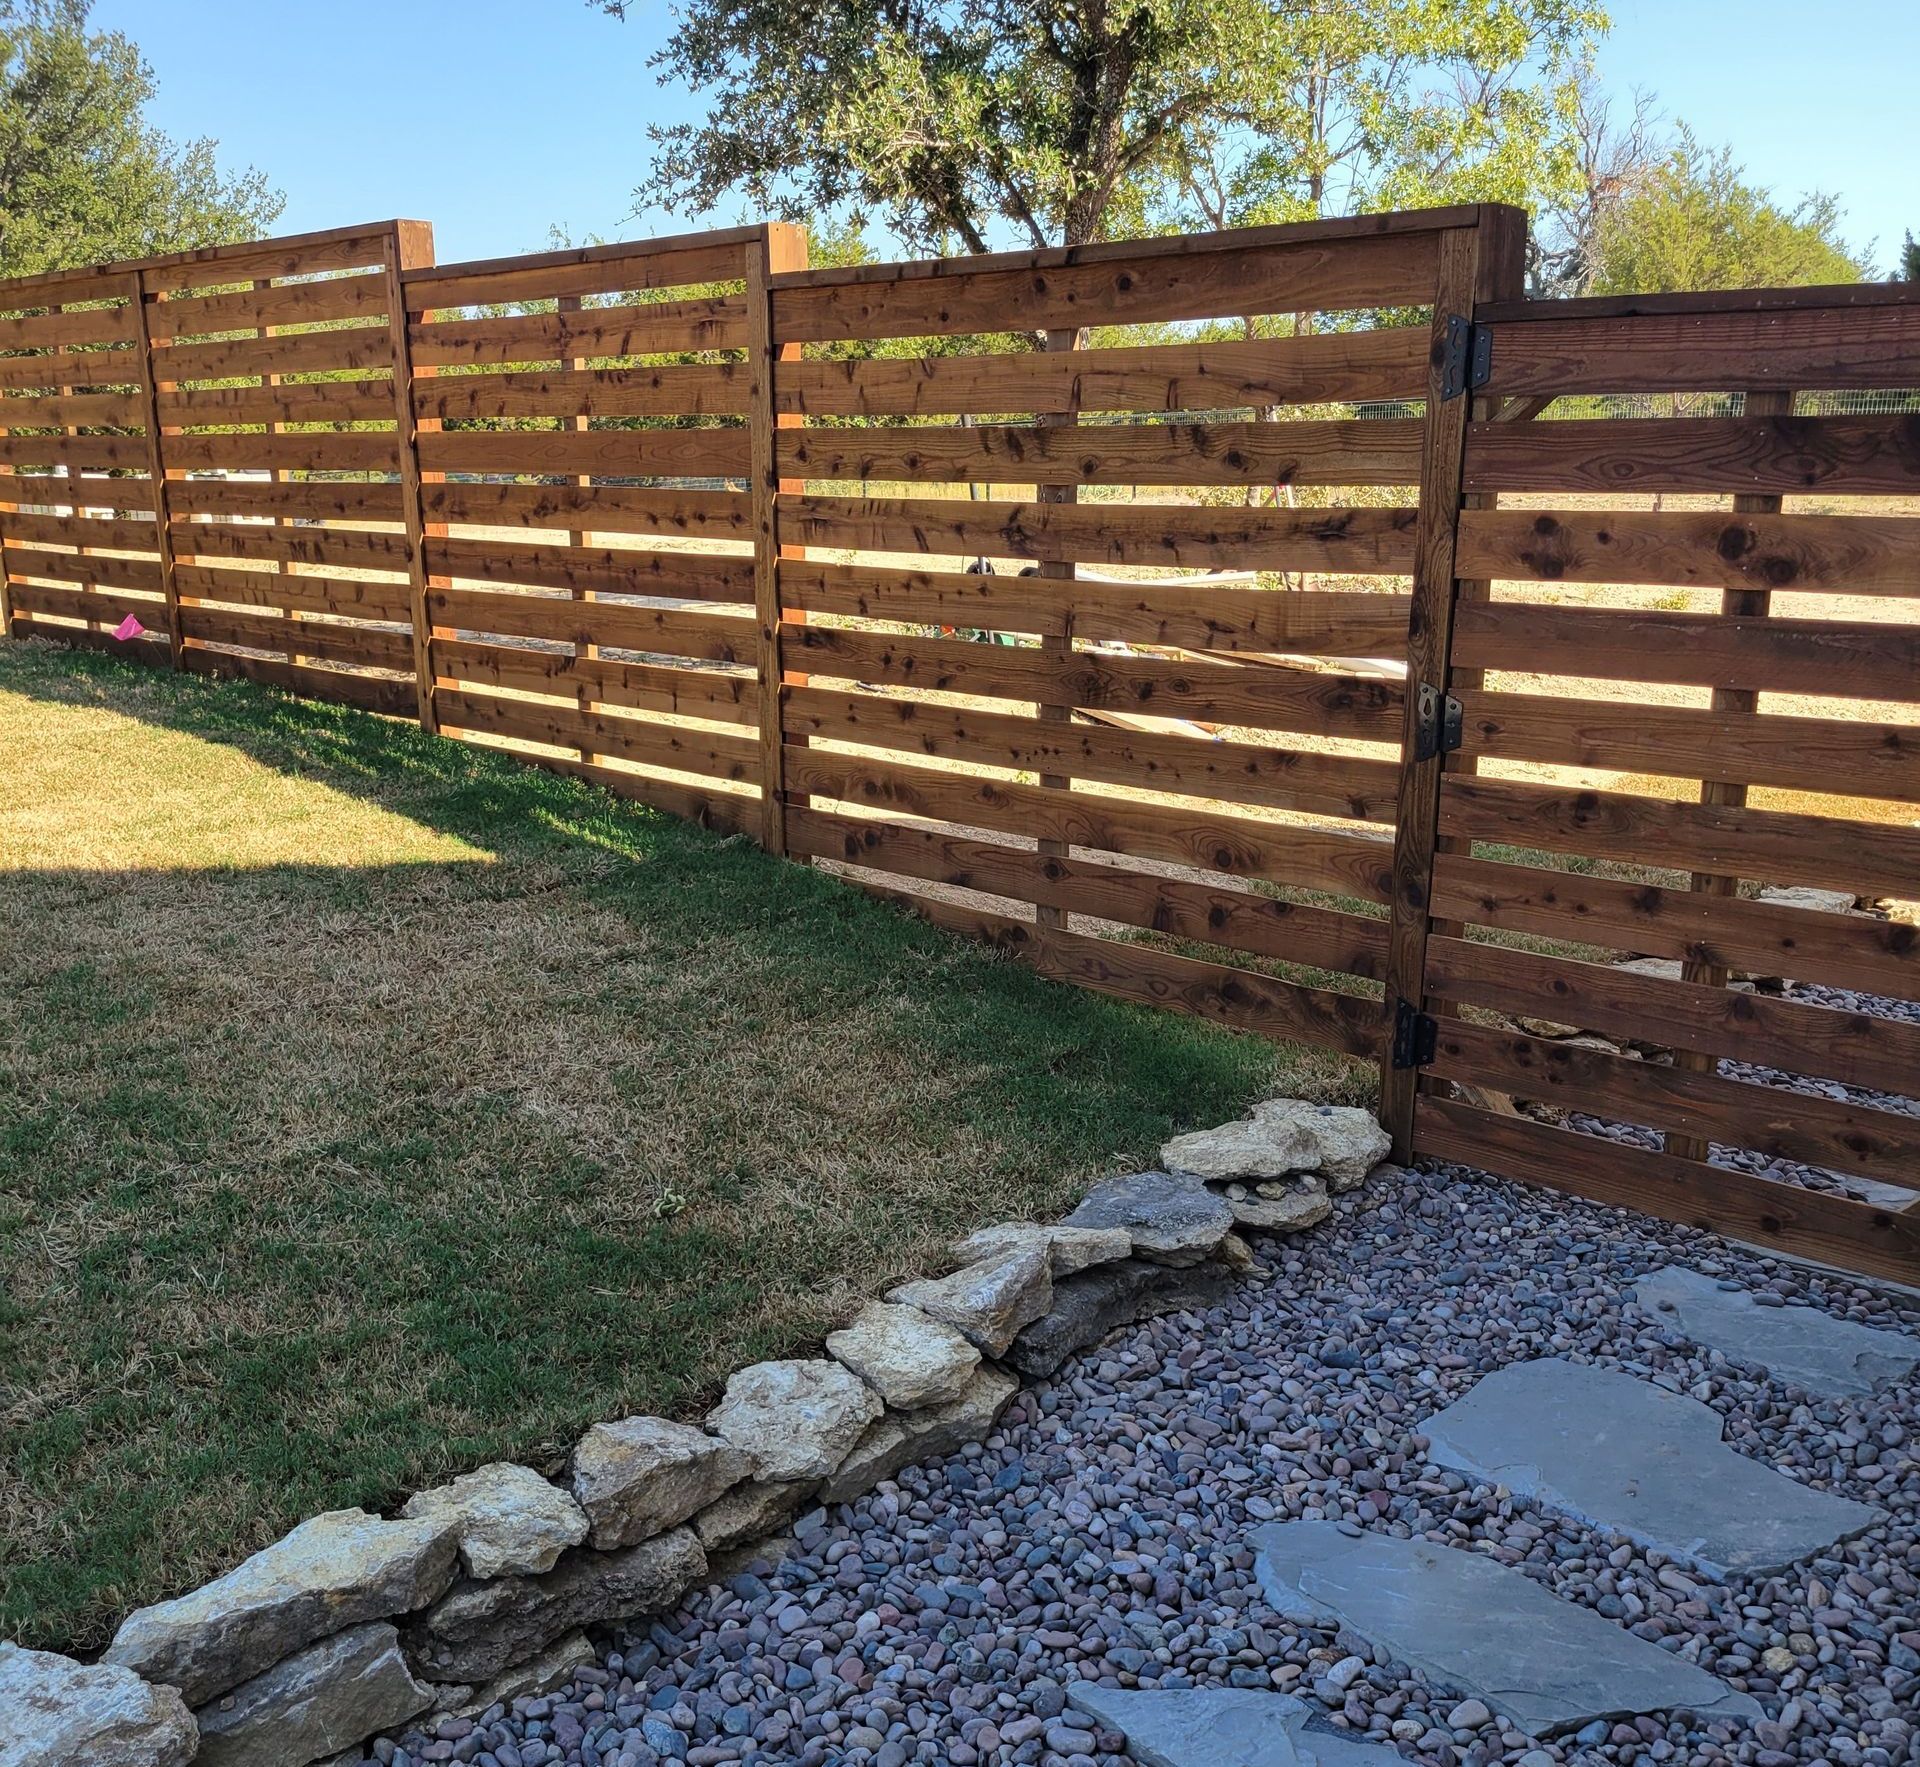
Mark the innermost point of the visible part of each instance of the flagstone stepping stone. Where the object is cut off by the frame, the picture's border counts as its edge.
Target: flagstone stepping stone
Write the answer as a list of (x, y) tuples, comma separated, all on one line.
[(1465, 1622), (1624, 1455), (1222, 1727), (1800, 1345)]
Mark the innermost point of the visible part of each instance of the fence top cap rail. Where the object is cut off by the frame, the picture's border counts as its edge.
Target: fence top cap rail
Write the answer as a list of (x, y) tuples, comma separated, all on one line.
[(1348, 227), (57, 286), (1716, 301), (566, 256)]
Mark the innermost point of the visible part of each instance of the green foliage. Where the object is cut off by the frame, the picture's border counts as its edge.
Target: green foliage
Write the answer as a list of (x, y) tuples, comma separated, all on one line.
[(83, 177), (1058, 121), (1908, 269), (1695, 223)]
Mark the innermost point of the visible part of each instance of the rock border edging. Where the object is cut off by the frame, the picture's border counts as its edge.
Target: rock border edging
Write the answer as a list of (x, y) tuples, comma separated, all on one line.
[(478, 1592)]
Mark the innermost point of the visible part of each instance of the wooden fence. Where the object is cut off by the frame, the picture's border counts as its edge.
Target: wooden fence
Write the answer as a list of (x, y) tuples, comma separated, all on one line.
[(1312, 636)]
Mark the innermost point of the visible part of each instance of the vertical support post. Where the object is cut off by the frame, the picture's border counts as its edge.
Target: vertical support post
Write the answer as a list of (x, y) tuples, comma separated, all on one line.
[(282, 524), (1749, 604), (410, 247), (157, 464), (779, 247), (584, 649), (1057, 644), (1476, 264)]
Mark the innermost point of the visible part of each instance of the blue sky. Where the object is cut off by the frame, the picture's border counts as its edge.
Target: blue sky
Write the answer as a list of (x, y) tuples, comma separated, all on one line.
[(499, 119)]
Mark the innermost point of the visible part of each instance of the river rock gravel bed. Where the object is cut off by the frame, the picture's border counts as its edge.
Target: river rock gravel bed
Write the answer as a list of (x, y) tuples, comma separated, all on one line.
[(1101, 1532)]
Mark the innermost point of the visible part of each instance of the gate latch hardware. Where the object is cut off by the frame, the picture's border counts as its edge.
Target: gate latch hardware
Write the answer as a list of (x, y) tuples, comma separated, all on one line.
[(1442, 724), (1416, 1036), (1468, 362)]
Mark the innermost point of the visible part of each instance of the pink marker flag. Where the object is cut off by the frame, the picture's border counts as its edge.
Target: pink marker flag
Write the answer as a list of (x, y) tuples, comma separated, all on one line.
[(128, 628)]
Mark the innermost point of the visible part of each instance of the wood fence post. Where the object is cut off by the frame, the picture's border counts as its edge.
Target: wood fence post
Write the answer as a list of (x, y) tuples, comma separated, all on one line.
[(1057, 644), (779, 247), (409, 246), (157, 467), (1476, 264)]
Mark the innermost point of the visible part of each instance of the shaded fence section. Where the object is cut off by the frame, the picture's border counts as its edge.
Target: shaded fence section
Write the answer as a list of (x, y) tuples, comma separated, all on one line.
[(1290, 626)]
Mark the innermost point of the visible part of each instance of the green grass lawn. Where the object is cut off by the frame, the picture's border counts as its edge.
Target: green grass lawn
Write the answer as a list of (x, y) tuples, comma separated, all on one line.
[(372, 1106)]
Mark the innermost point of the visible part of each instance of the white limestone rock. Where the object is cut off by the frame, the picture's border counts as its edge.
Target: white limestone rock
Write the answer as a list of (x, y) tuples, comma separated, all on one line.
[(1347, 1142), (641, 1476), (340, 1569), (1172, 1216), (1069, 1249), (908, 1357), (1252, 1148), (508, 1519), (1281, 1208), (55, 1712), (987, 1303), (796, 1420), (751, 1512)]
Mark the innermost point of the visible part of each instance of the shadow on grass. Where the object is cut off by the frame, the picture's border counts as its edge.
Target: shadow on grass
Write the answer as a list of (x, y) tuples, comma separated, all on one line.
[(320, 1182)]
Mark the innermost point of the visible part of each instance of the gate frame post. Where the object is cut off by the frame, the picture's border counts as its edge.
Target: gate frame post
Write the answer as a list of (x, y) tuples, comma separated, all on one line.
[(1478, 264), (409, 246)]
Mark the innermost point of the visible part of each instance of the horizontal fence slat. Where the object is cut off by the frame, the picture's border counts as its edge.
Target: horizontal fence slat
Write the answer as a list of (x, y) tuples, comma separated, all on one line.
[(1544, 350), (675, 747), (1786, 1217), (1385, 364), (1836, 456), (1855, 1048), (613, 509), (596, 570), (1189, 616), (712, 637), (1837, 554), (1864, 660), (349, 597), (1869, 759), (715, 322), (1726, 932), (1345, 452), (1826, 1133), (310, 500), (607, 453), (1718, 840), (1175, 907), (1365, 541), (675, 390), (1345, 862), (323, 641), (1293, 779), (647, 687)]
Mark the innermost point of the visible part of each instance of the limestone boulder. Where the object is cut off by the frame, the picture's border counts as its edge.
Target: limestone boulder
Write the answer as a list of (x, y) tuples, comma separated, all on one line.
[(508, 1519), (902, 1439), (987, 1303), (1277, 1207), (1172, 1217), (1069, 1249), (795, 1420), (908, 1357), (1347, 1142), (751, 1512), (1089, 1306), (338, 1570), (641, 1476), (55, 1712), (320, 1700), (1251, 1148), (479, 1630)]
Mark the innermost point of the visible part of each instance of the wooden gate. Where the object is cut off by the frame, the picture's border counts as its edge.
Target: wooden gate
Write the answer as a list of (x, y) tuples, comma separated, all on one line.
[(1687, 666)]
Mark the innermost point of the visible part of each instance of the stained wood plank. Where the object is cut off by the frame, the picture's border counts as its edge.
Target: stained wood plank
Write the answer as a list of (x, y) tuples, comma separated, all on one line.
[(1764, 938), (709, 322), (315, 640), (302, 500), (349, 597), (1866, 659), (1384, 364), (1366, 540), (288, 303), (1782, 1217), (713, 637), (710, 753), (595, 680), (1852, 1047), (350, 401), (605, 453), (1835, 456), (1317, 452), (612, 509), (1689, 549), (596, 570), (672, 390), (1770, 846)]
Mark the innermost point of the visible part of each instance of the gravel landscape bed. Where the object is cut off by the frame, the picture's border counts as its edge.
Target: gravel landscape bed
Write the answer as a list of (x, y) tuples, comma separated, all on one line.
[(1101, 1532)]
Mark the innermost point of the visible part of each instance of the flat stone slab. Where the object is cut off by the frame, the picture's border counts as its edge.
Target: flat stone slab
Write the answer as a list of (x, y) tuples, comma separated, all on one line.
[(1222, 1727), (1632, 1458), (1466, 1622), (1799, 1345)]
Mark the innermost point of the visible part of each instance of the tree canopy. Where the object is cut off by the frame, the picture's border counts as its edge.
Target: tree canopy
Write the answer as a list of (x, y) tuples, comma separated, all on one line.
[(84, 178), (971, 122), (1694, 222)]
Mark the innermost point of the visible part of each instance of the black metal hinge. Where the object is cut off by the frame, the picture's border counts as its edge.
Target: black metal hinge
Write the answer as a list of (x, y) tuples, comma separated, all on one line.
[(1468, 362), (1416, 1036), (1442, 724)]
